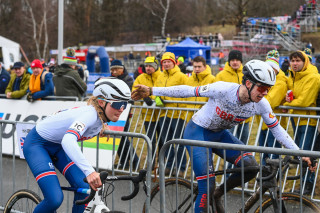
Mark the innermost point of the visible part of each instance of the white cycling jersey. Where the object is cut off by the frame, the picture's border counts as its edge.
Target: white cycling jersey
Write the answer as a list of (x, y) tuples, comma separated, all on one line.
[(69, 126), (224, 109)]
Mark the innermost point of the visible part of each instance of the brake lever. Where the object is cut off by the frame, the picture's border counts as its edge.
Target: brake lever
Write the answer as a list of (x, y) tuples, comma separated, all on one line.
[(145, 187)]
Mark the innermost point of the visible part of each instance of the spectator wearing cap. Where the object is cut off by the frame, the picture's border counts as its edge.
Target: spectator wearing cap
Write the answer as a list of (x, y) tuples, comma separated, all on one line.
[(66, 78), (149, 78), (119, 71), (232, 72), (19, 82), (182, 66), (40, 84), (4, 79), (171, 121), (276, 97)]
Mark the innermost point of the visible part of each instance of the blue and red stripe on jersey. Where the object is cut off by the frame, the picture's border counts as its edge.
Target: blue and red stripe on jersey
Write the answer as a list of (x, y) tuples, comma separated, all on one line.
[(240, 119), (72, 131), (196, 91), (274, 124)]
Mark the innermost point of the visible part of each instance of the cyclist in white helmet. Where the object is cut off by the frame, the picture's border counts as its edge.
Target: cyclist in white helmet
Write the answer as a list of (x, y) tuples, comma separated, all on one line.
[(228, 105), (53, 142)]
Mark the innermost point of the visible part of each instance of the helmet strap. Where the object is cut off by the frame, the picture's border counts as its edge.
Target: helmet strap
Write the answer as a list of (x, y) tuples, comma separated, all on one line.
[(104, 111), (249, 90)]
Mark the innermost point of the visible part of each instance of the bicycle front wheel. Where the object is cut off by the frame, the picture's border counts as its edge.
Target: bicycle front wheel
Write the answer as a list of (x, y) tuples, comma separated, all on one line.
[(291, 203), (22, 201), (178, 196)]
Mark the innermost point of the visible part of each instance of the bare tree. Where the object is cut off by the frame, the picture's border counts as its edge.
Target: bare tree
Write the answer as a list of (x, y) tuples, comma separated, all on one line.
[(39, 29), (160, 9)]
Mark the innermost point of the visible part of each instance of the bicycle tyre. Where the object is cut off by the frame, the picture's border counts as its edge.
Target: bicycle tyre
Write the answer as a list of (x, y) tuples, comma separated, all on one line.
[(23, 200), (184, 189), (292, 202)]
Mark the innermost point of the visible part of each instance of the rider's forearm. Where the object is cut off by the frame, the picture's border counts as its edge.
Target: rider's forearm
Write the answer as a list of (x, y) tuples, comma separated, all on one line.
[(181, 91), (283, 137), (70, 146)]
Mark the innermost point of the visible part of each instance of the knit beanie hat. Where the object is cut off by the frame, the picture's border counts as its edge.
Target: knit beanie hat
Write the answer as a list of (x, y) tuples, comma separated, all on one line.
[(70, 57), (168, 56), (273, 54), (152, 61), (274, 63), (235, 54), (116, 64), (36, 64), (308, 52)]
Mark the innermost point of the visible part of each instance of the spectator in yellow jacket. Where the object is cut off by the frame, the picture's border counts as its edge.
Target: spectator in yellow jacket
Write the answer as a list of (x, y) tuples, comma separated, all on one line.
[(201, 75), (304, 81), (171, 122), (149, 78), (276, 97), (232, 72)]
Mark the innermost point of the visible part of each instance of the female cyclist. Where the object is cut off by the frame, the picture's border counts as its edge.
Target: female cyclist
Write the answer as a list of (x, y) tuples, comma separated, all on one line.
[(228, 105), (53, 142)]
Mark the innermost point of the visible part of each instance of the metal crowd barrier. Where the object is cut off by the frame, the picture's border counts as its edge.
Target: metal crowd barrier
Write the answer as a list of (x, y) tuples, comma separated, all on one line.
[(224, 146), (53, 98), (139, 117), (15, 174)]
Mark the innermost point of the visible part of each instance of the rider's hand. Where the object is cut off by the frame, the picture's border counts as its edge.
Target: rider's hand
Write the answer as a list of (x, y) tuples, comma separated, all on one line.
[(307, 159), (94, 180), (140, 92), (106, 127)]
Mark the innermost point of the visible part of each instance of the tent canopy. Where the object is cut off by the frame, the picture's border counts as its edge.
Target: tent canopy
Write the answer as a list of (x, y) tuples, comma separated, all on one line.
[(190, 49), (9, 52)]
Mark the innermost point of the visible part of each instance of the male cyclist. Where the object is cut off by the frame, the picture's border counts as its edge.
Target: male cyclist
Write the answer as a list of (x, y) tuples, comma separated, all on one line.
[(53, 143), (228, 105)]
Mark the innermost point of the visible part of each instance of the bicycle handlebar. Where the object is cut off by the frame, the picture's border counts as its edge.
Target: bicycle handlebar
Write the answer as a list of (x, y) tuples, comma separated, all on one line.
[(104, 177), (275, 164)]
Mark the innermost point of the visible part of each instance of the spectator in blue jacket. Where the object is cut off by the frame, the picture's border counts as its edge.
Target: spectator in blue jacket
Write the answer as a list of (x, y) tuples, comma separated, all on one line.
[(4, 79), (41, 84)]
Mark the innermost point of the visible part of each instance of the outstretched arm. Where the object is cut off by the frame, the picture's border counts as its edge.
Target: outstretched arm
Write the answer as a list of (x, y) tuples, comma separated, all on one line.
[(181, 91)]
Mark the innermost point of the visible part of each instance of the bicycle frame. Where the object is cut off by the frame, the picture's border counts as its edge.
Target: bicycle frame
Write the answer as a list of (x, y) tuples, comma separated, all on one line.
[(96, 205)]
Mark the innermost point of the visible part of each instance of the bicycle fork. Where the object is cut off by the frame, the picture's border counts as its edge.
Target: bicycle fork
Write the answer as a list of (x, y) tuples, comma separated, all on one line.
[(96, 204)]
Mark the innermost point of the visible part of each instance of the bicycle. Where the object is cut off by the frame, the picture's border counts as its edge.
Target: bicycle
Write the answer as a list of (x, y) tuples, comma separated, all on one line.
[(26, 200), (180, 190)]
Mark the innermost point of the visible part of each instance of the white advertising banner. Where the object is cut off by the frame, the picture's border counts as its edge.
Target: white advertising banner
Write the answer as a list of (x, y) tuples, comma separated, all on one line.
[(23, 111)]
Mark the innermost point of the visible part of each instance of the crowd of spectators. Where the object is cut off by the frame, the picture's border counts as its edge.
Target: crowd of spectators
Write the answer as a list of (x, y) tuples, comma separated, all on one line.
[(297, 77), (41, 80), (296, 74)]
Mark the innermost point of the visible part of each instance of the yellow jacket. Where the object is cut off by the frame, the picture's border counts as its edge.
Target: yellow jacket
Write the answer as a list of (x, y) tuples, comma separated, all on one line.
[(230, 75), (195, 80), (170, 78), (276, 97), (148, 80), (305, 86)]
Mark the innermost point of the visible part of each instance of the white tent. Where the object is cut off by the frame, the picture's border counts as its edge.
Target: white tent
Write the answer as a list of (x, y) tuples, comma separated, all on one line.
[(9, 52)]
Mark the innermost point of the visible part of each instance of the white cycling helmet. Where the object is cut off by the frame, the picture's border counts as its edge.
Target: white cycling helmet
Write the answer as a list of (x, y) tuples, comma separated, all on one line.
[(112, 89), (259, 72)]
